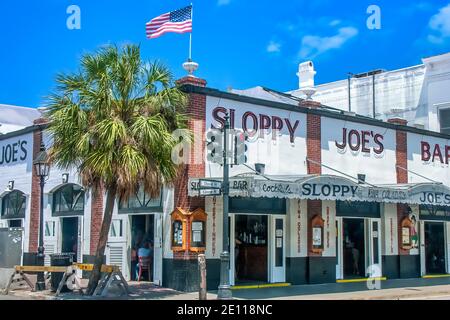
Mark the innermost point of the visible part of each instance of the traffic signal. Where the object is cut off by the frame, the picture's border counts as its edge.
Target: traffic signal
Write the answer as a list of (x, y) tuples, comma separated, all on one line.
[(240, 147), (214, 145)]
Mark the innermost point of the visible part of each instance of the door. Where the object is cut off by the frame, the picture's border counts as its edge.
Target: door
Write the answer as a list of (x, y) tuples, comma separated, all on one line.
[(423, 270), (50, 238), (373, 230), (339, 249), (232, 234), (447, 247), (80, 241), (157, 250), (277, 236), (116, 248)]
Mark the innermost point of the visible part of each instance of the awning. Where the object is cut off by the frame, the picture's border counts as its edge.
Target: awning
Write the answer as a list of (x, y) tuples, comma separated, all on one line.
[(331, 187)]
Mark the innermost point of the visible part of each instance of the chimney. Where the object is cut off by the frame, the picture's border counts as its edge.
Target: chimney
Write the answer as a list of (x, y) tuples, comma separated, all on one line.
[(306, 75), (399, 121)]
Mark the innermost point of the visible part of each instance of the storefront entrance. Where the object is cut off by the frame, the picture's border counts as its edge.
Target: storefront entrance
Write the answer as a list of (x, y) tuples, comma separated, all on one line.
[(259, 248), (359, 248), (69, 236), (434, 248), (142, 244), (354, 248)]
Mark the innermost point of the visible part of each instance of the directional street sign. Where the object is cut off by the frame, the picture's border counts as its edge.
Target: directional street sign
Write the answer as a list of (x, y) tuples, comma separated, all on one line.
[(210, 184), (210, 192)]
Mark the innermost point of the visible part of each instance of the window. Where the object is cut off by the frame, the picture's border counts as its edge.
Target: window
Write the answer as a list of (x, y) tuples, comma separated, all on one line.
[(116, 228), (444, 120), (13, 205), (50, 228), (141, 202), (68, 200), (15, 223), (358, 209), (431, 212)]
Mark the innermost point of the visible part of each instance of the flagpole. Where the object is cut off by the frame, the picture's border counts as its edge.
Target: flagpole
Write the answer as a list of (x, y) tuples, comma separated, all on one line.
[(190, 35)]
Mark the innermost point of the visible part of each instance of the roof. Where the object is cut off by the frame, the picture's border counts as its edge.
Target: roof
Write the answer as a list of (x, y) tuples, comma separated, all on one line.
[(14, 118)]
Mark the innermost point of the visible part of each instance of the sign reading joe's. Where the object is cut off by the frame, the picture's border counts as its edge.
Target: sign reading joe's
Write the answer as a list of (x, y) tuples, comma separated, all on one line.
[(15, 150)]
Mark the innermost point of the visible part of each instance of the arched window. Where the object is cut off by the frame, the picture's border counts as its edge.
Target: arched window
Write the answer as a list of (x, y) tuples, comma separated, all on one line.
[(68, 200), (13, 205), (141, 202)]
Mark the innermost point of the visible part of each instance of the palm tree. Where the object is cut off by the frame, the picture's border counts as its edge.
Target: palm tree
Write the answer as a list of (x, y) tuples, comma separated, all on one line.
[(113, 120)]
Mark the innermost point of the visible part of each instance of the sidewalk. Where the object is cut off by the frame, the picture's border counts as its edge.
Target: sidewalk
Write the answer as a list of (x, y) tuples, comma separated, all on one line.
[(390, 290)]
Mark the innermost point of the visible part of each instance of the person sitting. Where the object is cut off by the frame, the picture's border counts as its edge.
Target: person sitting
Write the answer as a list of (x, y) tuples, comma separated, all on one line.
[(145, 254)]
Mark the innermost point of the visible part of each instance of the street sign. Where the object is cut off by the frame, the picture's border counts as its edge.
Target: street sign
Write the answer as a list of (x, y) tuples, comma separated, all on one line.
[(210, 184), (210, 192)]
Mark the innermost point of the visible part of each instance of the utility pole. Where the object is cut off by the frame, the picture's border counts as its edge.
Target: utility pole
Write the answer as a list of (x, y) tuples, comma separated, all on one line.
[(224, 292)]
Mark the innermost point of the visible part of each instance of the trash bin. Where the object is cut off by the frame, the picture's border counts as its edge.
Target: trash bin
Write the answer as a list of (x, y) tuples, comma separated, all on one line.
[(59, 260)]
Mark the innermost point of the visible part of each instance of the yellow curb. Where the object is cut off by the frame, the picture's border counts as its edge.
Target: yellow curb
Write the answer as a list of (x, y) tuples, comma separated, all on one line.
[(361, 280), (260, 286), (431, 276)]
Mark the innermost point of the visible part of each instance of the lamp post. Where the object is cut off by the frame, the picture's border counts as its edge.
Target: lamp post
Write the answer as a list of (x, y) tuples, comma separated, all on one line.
[(224, 292), (42, 169)]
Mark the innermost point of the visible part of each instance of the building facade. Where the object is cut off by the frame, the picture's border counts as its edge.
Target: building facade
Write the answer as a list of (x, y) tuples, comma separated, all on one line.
[(341, 197)]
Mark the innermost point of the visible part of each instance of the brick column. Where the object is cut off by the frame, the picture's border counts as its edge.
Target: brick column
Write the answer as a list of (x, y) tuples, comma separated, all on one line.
[(313, 152), (401, 153), (96, 219), (35, 192), (196, 112)]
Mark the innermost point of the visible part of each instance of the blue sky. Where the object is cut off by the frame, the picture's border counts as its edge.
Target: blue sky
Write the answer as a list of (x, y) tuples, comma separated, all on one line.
[(238, 43)]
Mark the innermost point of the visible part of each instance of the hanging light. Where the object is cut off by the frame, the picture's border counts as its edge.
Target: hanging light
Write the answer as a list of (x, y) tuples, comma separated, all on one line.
[(41, 165)]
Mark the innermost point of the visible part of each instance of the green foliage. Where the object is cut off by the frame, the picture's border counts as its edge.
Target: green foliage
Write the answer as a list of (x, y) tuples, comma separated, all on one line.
[(113, 120)]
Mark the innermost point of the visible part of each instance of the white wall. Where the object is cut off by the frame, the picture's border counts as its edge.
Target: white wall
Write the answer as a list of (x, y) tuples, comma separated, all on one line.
[(297, 228), (280, 156), (389, 226), (353, 162), (19, 171), (435, 170), (329, 231)]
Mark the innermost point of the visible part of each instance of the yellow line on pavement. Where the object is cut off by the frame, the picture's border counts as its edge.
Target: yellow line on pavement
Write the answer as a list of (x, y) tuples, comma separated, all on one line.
[(431, 276), (260, 286), (360, 280)]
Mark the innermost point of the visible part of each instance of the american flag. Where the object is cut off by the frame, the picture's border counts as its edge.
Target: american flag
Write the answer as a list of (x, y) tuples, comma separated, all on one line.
[(178, 21)]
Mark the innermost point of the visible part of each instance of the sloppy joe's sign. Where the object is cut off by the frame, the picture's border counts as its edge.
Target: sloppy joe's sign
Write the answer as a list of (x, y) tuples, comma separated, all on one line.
[(255, 123), (14, 150), (333, 189)]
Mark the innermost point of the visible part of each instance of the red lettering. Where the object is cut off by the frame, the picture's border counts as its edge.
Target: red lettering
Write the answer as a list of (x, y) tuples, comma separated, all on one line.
[(437, 153), (447, 154), (365, 141), (378, 138), (354, 133), (255, 123), (425, 151), (218, 118), (291, 128), (264, 124), (344, 140), (277, 126)]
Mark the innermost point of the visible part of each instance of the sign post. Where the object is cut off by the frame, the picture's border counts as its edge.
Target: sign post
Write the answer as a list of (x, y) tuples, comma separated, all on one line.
[(224, 286)]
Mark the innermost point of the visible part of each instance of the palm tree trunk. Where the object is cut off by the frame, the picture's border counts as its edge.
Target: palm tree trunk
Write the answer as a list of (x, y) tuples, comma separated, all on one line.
[(104, 232)]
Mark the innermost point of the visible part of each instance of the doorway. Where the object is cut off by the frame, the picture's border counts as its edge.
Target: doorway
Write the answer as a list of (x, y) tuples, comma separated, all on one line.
[(69, 239), (354, 248), (434, 248), (251, 248), (142, 243)]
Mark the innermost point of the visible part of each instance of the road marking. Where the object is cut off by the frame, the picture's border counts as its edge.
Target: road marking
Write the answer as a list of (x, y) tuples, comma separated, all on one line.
[(361, 280), (260, 286)]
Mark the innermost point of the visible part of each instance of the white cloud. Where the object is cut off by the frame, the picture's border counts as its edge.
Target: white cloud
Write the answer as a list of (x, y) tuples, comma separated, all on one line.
[(313, 46), (440, 25), (273, 47), (223, 2), (335, 23)]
